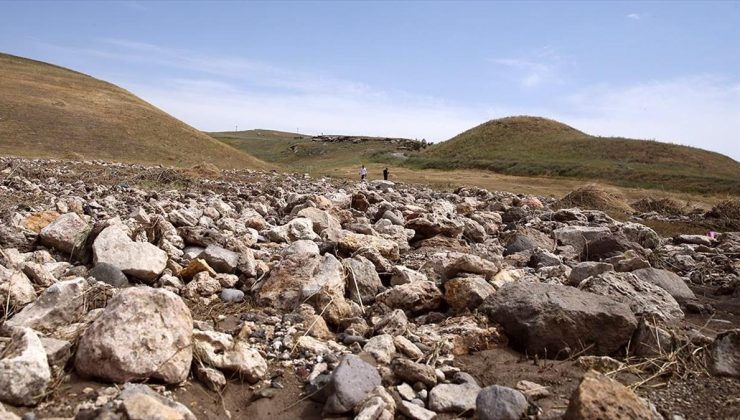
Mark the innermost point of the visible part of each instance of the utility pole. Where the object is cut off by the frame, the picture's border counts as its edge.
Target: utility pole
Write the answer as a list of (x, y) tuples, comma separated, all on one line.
[(236, 128)]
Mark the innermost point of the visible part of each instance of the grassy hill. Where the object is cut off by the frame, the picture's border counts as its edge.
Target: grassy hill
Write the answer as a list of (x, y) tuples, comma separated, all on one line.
[(301, 153), (533, 146), (52, 112)]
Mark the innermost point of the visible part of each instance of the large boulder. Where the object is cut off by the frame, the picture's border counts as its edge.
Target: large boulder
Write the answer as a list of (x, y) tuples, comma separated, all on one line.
[(67, 233), (142, 334), (222, 351), (138, 259), (24, 369), (350, 383), (321, 220), (668, 281), (432, 225), (600, 397), (556, 321), (642, 297), (61, 304)]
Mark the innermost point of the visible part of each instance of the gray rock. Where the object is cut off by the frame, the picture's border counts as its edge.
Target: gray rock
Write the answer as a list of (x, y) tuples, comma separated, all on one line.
[(381, 347), (543, 258), (667, 281), (526, 239), (202, 285), (500, 403), (641, 234), (301, 247), (38, 274), (363, 282), (556, 321), (110, 274), (403, 275), (694, 240), (58, 352), (350, 383), (586, 269), (725, 354), (24, 370), (451, 264), (139, 259), (67, 233), (415, 412), (642, 297), (220, 259), (232, 295), (143, 333), (579, 236), (59, 305), (453, 398), (211, 378), (16, 290)]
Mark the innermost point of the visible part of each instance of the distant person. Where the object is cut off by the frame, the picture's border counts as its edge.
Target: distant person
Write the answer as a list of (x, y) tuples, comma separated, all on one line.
[(385, 174), (363, 173)]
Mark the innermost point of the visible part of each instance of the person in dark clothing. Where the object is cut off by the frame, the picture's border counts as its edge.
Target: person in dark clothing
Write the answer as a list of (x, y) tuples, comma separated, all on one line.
[(385, 174)]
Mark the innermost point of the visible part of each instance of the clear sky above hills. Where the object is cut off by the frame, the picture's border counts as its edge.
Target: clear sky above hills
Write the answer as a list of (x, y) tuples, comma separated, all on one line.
[(658, 70)]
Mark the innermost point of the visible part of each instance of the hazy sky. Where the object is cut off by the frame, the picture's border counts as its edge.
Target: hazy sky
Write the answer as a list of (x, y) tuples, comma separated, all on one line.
[(657, 70)]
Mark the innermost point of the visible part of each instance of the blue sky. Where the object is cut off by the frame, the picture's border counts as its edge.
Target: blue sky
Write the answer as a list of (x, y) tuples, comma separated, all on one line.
[(668, 71)]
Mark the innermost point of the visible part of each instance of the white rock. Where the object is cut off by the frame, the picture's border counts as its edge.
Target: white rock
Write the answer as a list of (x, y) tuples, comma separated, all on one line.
[(24, 370), (61, 304), (222, 351), (143, 333), (139, 259), (67, 233)]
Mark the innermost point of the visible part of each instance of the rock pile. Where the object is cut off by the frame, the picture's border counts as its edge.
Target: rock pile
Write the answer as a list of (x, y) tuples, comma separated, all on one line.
[(368, 292)]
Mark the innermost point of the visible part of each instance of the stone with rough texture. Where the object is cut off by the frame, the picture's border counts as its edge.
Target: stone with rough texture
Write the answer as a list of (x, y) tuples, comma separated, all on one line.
[(600, 397), (350, 383), (418, 296), (110, 274), (467, 292), (220, 259), (16, 290), (232, 295), (301, 247), (223, 352), (666, 280), (413, 372), (451, 264), (351, 242), (211, 378), (139, 402), (500, 403), (453, 398), (363, 282), (415, 412), (67, 233), (579, 236), (586, 269), (642, 297), (143, 333), (381, 347), (403, 275), (59, 305), (556, 321), (725, 354), (202, 285), (526, 239), (138, 259), (296, 229), (24, 369), (405, 346)]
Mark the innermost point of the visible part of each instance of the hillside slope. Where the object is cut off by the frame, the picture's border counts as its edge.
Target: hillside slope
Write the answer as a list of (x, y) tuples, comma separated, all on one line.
[(48, 111), (538, 146)]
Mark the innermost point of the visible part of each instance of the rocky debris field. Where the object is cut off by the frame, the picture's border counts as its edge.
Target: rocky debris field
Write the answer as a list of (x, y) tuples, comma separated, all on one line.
[(133, 292)]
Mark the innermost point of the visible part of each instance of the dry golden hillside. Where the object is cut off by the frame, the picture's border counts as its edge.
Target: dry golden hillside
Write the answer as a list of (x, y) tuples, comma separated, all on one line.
[(48, 111)]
